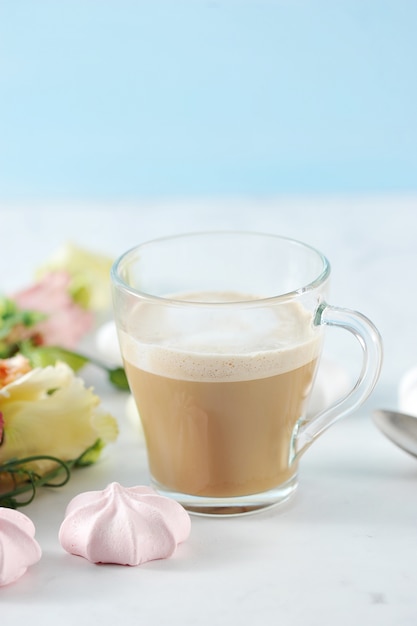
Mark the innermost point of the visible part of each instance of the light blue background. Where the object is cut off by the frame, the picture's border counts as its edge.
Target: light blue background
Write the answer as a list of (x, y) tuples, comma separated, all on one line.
[(131, 99)]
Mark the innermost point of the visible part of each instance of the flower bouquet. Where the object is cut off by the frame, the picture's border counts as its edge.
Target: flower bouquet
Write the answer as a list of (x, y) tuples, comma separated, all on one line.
[(49, 421)]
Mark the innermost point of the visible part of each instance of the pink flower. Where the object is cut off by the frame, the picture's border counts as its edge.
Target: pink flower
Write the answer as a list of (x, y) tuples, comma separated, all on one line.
[(67, 322)]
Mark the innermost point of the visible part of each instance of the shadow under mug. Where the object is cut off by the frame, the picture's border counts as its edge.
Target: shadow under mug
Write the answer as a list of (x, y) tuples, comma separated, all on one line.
[(221, 335)]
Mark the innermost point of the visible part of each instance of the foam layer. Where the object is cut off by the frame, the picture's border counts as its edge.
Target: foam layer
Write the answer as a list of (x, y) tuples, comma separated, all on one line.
[(219, 343)]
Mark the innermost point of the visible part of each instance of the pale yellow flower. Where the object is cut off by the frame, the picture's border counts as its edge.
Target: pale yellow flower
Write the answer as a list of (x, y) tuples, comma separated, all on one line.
[(49, 411), (90, 275)]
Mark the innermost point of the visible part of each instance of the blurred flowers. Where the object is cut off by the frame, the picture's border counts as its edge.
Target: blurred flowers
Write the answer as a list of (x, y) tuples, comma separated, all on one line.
[(88, 273), (47, 320), (49, 421), (64, 322)]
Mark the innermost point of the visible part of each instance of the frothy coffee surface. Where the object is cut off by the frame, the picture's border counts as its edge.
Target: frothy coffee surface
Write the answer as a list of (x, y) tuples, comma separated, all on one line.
[(215, 343), (219, 392)]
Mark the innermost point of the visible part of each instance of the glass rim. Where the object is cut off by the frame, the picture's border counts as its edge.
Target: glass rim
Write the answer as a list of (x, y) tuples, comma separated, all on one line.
[(117, 280)]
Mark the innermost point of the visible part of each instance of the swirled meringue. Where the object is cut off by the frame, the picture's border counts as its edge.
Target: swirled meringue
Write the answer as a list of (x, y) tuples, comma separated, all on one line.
[(123, 525), (18, 546)]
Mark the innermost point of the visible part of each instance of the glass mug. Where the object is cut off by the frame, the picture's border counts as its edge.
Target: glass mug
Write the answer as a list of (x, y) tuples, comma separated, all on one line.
[(221, 335)]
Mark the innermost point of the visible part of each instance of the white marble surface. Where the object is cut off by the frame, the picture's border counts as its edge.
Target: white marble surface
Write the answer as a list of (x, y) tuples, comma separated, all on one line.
[(343, 551)]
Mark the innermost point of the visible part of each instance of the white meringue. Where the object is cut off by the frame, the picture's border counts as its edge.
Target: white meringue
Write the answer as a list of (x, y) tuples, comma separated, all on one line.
[(18, 546), (124, 525)]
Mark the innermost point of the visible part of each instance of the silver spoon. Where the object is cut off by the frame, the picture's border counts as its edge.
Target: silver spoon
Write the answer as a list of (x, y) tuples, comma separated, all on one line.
[(400, 428)]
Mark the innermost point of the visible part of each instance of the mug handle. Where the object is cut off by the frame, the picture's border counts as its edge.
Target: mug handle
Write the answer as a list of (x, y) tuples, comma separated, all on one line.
[(370, 340)]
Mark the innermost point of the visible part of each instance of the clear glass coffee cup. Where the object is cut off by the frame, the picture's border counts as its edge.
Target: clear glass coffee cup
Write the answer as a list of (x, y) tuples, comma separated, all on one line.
[(221, 335)]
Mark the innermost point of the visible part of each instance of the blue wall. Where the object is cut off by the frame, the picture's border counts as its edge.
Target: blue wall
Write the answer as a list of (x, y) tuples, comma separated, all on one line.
[(124, 98)]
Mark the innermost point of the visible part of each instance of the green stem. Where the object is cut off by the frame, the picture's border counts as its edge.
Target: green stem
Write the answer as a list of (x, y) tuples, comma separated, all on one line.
[(30, 481), (16, 468)]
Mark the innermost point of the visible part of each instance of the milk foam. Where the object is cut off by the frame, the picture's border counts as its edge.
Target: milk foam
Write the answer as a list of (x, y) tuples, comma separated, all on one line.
[(219, 344)]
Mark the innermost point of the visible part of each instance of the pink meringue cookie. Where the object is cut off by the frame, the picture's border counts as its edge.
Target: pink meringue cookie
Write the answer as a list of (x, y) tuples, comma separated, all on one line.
[(18, 546), (124, 525)]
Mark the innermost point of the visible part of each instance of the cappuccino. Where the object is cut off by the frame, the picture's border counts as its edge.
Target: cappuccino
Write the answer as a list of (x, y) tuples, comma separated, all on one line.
[(220, 390)]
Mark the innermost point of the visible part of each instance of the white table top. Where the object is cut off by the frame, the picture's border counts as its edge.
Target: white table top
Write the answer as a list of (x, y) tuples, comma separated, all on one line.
[(344, 550)]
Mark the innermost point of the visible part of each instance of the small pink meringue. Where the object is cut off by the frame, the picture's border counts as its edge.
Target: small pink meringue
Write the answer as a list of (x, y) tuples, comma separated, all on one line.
[(124, 525), (18, 546)]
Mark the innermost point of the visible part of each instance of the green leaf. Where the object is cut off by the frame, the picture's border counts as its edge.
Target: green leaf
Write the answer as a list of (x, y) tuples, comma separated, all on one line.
[(41, 356), (118, 377), (91, 455), (7, 307), (11, 315), (30, 318)]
